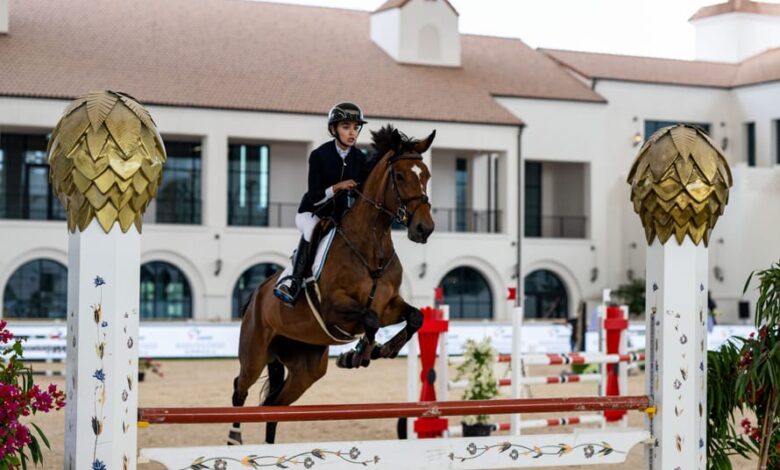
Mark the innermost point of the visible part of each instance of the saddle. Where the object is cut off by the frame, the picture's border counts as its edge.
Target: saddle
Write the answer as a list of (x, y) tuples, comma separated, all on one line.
[(321, 240)]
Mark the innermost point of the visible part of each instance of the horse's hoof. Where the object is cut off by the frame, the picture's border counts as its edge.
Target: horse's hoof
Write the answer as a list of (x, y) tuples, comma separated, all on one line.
[(234, 439), (344, 360)]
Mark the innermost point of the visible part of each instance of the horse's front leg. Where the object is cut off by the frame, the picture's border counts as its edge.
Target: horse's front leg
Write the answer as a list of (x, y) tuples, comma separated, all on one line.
[(350, 309), (396, 311)]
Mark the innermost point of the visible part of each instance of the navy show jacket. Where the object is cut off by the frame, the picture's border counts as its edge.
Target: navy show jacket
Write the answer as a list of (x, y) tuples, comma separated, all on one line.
[(326, 168)]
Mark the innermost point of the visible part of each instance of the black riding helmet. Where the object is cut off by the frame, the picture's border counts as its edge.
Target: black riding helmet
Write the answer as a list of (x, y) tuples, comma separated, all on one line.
[(345, 111)]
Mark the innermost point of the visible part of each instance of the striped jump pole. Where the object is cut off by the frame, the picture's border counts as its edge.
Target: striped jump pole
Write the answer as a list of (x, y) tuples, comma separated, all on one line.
[(540, 380)]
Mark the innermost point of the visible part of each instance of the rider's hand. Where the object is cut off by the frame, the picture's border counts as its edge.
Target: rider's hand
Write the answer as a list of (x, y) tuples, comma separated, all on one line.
[(344, 185)]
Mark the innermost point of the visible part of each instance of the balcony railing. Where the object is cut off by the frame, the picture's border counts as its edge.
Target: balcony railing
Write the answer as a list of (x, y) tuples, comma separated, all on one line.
[(467, 220), (556, 226), (276, 214)]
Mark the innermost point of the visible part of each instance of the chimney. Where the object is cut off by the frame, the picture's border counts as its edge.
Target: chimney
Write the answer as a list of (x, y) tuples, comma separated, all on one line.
[(3, 16)]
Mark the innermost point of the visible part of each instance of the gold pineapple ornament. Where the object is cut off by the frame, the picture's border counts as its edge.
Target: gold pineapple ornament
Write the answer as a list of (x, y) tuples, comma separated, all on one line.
[(680, 184), (106, 160)]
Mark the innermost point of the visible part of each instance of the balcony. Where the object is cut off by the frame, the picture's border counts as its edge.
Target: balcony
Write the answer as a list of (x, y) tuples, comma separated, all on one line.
[(275, 214), (467, 220), (556, 226)]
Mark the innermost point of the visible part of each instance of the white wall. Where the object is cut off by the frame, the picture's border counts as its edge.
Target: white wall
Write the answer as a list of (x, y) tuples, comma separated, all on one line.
[(4, 16), (421, 32), (759, 104), (195, 249), (288, 170), (733, 37)]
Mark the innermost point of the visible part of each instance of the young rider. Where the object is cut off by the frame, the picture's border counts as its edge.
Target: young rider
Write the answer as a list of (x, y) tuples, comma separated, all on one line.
[(334, 168)]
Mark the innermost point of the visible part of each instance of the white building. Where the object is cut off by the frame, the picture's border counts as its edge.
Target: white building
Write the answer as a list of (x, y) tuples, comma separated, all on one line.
[(239, 90)]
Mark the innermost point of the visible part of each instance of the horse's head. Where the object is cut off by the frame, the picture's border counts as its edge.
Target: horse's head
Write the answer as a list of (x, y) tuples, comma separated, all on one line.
[(405, 180)]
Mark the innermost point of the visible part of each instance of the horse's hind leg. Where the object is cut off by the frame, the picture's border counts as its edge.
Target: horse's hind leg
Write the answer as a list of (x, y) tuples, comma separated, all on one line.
[(396, 311), (306, 364)]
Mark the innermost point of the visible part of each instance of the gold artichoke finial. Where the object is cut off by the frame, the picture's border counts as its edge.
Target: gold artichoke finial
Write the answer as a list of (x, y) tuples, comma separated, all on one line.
[(106, 159), (680, 184)]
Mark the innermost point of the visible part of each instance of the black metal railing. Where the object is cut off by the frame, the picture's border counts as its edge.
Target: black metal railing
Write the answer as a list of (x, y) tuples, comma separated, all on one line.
[(275, 214), (467, 220), (556, 226)]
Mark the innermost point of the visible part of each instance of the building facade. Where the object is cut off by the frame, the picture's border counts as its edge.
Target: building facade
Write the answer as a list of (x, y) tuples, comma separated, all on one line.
[(240, 89)]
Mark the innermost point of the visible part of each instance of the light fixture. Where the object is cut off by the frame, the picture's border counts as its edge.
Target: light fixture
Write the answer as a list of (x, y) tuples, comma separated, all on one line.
[(594, 271), (630, 270), (218, 263), (724, 143), (637, 139), (717, 270), (423, 269)]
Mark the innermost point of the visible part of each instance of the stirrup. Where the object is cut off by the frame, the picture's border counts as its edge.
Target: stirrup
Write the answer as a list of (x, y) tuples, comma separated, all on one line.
[(294, 290)]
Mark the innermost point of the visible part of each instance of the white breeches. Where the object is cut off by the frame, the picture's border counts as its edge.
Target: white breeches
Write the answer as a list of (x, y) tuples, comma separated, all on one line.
[(306, 221)]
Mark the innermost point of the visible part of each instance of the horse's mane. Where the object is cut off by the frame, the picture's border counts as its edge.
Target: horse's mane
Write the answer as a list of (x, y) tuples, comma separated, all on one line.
[(382, 143)]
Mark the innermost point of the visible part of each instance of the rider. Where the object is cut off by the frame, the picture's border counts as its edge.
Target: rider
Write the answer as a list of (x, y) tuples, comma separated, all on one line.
[(334, 168)]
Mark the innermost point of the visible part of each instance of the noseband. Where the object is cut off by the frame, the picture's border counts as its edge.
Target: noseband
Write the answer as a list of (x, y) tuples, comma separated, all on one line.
[(401, 215)]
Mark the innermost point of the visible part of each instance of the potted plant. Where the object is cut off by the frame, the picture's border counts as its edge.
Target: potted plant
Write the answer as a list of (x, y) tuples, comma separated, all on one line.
[(480, 357), (146, 364), (744, 379)]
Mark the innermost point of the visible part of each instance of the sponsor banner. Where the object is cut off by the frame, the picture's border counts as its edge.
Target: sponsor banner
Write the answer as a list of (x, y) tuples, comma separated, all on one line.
[(214, 340)]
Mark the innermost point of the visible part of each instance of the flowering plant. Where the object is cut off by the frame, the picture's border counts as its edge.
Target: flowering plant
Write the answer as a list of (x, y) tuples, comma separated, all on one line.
[(19, 398), (745, 376), (478, 369)]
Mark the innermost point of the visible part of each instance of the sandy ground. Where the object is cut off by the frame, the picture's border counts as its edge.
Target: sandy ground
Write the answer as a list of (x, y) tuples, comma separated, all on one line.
[(208, 383)]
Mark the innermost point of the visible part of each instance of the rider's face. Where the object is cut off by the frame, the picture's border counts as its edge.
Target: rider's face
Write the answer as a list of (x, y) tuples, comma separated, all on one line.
[(348, 132)]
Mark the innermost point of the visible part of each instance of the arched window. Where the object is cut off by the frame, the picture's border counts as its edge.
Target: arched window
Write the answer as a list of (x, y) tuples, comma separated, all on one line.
[(165, 292), (248, 282), (38, 289), (467, 293), (545, 295)]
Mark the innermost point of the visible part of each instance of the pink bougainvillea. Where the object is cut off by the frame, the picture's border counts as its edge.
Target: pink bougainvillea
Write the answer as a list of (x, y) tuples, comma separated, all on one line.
[(19, 398)]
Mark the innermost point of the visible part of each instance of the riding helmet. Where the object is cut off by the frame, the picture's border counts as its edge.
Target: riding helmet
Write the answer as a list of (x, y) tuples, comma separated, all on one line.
[(345, 111)]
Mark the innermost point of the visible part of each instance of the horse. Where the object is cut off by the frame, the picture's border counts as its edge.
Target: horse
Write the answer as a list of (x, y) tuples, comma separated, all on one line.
[(359, 285)]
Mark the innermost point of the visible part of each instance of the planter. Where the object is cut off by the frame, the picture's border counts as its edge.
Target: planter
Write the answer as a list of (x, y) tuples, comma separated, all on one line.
[(476, 430)]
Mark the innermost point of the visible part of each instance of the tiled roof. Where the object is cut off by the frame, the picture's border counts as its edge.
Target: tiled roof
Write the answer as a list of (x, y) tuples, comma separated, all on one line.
[(236, 54), (761, 68), (737, 6)]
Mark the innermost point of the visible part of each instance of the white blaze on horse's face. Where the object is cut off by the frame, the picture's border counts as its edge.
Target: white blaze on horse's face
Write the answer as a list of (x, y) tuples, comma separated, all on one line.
[(418, 171)]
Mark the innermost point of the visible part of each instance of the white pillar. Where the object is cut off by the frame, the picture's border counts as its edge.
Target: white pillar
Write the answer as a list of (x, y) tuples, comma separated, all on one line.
[(102, 350), (676, 367)]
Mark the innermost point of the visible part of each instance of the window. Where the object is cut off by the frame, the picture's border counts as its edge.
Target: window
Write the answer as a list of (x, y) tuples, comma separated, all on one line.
[(248, 185), (461, 194), (652, 126), (533, 199), (165, 292), (545, 295), (178, 199), (750, 141), (38, 289), (467, 293), (248, 282), (25, 192), (777, 141)]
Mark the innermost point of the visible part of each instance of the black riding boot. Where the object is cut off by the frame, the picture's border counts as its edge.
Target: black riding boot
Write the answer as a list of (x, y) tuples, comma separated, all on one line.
[(289, 288)]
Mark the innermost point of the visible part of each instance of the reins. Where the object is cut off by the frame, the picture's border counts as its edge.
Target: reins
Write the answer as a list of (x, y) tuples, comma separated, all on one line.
[(401, 216)]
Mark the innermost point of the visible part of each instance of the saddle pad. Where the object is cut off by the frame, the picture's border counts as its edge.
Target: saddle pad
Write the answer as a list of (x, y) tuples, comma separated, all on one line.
[(322, 254)]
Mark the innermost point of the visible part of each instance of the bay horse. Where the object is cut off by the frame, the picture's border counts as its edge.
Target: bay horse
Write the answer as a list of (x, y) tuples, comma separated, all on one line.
[(358, 285)]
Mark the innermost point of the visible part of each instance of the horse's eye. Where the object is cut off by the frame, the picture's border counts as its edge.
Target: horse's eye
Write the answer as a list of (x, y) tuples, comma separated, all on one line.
[(399, 176)]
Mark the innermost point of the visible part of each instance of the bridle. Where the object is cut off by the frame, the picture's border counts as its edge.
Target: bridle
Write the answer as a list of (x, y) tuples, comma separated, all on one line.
[(401, 215)]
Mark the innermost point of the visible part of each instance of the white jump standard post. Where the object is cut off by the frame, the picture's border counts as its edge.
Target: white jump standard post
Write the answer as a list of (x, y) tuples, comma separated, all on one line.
[(679, 187), (106, 162)]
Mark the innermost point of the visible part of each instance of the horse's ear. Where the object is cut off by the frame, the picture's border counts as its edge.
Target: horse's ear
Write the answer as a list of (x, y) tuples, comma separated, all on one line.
[(423, 145), (395, 141)]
